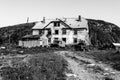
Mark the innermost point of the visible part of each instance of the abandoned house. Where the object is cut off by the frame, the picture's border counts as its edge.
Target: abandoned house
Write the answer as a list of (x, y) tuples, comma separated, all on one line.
[(66, 31)]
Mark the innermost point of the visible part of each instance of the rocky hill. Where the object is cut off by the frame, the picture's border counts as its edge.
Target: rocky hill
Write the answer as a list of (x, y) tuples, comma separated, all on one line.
[(13, 33), (101, 33)]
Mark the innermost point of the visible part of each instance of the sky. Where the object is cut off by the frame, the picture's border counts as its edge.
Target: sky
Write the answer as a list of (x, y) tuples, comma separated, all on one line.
[(14, 12)]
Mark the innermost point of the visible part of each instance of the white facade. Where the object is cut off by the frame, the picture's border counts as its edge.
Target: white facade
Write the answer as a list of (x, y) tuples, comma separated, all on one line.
[(70, 25), (35, 32), (67, 30)]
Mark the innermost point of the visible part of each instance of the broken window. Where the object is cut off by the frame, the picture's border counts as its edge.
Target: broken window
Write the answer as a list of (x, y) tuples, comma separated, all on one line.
[(56, 32), (64, 39), (75, 40)]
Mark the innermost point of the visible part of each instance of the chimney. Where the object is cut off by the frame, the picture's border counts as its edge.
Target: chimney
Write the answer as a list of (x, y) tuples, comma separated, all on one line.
[(65, 19), (43, 20), (79, 18), (27, 19)]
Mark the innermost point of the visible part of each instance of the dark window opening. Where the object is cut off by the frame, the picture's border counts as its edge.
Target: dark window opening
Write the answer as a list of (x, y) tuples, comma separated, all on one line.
[(56, 31), (75, 40), (40, 31), (75, 32), (64, 32), (49, 32), (56, 24), (56, 41), (49, 39), (64, 39)]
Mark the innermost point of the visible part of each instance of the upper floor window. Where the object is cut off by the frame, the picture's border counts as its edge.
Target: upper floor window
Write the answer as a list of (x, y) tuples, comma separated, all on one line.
[(56, 32), (56, 24), (49, 32), (63, 31), (75, 32)]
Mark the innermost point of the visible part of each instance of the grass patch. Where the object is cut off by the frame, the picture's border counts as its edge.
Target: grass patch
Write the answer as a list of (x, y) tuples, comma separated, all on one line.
[(42, 66)]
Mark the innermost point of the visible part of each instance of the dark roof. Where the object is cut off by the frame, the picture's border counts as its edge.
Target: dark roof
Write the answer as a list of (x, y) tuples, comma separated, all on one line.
[(31, 37)]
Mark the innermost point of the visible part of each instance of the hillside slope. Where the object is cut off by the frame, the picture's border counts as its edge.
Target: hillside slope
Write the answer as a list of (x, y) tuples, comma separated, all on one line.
[(101, 33), (13, 33)]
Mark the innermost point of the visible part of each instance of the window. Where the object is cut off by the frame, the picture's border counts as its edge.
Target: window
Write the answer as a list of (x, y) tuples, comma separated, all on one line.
[(64, 32), (56, 41), (49, 39), (49, 32), (56, 24), (75, 40), (75, 32), (56, 32), (64, 39)]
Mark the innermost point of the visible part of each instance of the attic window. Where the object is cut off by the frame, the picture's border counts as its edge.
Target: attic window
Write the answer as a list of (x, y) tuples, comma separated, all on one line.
[(56, 24)]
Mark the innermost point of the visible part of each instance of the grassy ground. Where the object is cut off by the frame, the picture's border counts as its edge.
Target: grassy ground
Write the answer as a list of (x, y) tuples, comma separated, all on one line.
[(42, 65), (45, 65)]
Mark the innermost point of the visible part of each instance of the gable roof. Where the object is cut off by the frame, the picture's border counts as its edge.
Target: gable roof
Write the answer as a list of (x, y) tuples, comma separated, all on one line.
[(73, 23), (41, 25), (68, 22)]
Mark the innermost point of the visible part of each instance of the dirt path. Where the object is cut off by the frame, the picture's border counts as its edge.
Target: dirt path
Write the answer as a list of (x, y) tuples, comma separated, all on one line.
[(88, 69)]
